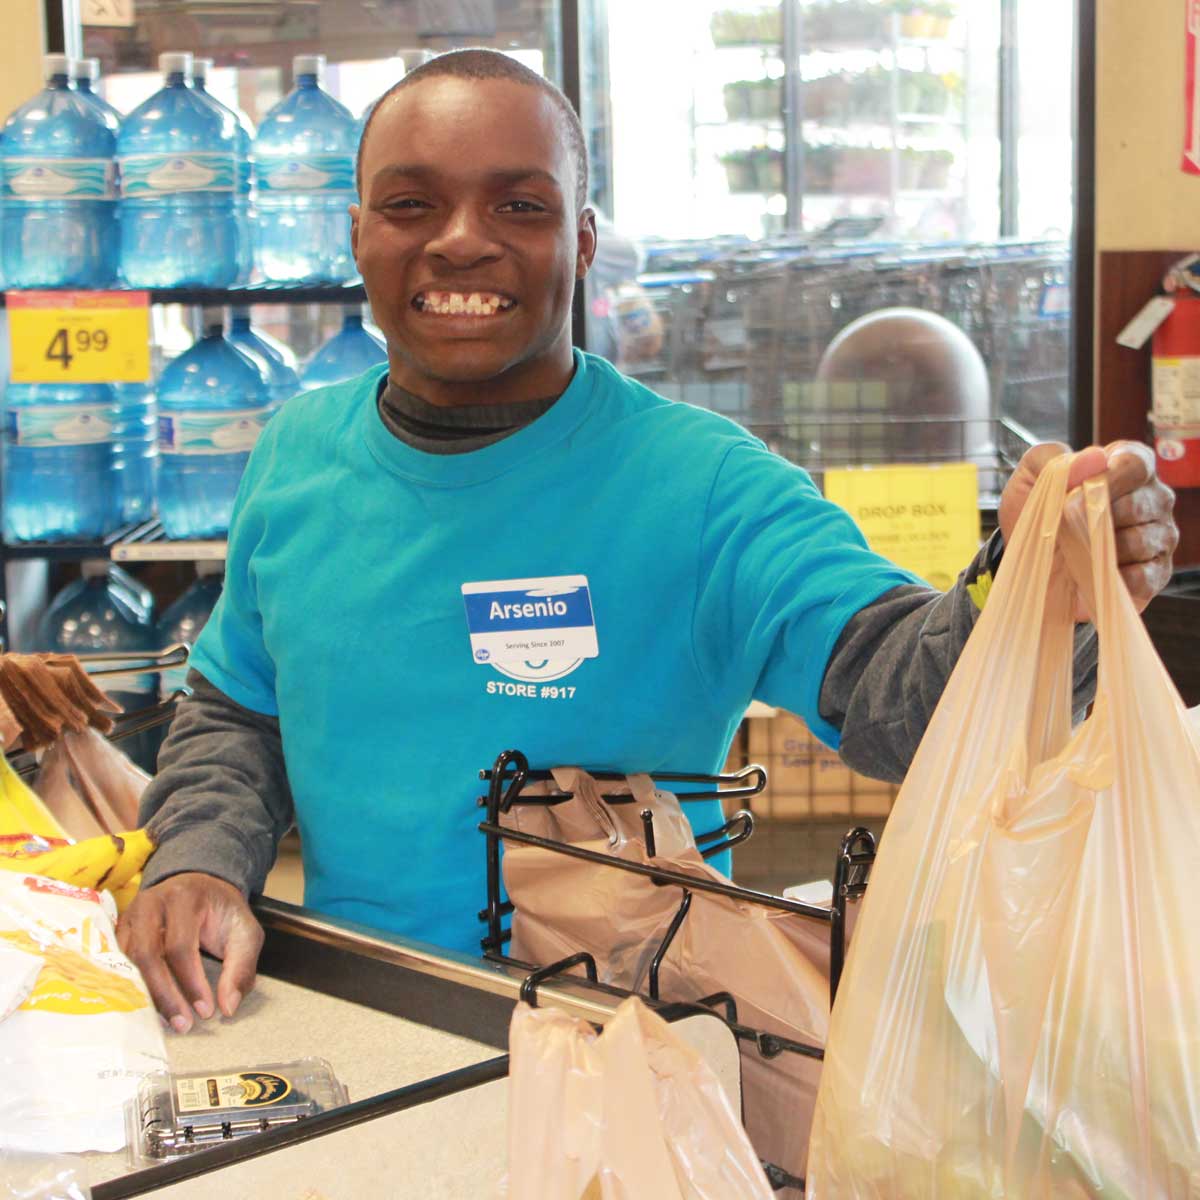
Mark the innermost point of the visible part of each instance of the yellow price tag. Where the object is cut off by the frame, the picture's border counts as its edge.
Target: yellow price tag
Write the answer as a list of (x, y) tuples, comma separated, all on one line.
[(79, 337), (925, 519)]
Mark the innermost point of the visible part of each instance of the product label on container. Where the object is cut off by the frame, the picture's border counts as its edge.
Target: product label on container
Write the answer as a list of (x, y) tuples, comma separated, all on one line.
[(232, 431), (59, 425), (1175, 384), (307, 173), (60, 179), (193, 171)]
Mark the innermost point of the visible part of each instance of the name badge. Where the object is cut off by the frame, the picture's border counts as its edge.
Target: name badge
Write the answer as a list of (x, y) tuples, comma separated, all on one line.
[(525, 621)]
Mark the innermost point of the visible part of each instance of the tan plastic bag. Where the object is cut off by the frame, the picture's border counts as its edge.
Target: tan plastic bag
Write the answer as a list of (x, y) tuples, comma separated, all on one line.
[(774, 964), (1020, 1011), (89, 785), (630, 1112)]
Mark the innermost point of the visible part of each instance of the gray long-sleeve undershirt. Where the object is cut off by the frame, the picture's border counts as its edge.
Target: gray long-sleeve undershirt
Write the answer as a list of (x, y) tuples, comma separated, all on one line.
[(221, 802)]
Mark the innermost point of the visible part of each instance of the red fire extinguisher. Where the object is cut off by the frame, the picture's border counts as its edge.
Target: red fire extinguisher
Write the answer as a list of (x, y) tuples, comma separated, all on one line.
[(1175, 386)]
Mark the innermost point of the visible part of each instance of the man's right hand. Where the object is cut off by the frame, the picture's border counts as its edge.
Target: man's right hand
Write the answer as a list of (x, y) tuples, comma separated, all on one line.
[(166, 927)]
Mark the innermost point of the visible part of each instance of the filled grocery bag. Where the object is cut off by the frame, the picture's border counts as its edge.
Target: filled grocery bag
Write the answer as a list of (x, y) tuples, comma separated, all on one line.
[(632, 1111), (89, 785), (1020, 1010), (74, 1048), (774, 964)]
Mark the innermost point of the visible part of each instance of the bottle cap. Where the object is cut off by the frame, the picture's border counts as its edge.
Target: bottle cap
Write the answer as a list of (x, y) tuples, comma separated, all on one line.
[(308, 64), (201, 67), (56, 64), (212, 320), (206, 568), (175, 63), (94, 568), (85, 68)]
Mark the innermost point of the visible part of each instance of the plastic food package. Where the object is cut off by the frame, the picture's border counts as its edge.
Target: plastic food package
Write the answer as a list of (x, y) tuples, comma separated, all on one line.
[(774, 964), (89, 785), (630, 1112), (73, 1053), (1020, 1011), (40, 1177)]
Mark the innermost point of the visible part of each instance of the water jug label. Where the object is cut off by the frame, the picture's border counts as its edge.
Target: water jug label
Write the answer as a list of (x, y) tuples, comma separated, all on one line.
[(307, 173), (60, 178), (231, 431), (192, 171), (59, 425)]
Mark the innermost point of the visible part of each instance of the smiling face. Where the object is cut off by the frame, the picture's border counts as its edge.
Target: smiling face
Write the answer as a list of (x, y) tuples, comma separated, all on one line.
[(469, 240)]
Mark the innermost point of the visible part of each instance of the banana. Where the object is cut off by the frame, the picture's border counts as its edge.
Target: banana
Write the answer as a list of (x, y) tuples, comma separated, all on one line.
[(21, 812), (85, 864), (137, 848), (124, 895)]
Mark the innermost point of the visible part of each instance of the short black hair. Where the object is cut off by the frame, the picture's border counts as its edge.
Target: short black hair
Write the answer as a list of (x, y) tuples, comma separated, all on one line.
[(482, 63)]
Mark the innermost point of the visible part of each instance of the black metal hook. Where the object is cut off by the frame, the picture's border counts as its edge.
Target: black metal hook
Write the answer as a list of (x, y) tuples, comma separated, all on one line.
[(661, 953), (850, 874), (648, 829), (535, 978), (742, 817)]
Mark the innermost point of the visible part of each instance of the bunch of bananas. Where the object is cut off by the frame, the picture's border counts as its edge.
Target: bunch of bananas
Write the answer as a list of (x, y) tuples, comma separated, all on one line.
[(111, 862), (33, 842)]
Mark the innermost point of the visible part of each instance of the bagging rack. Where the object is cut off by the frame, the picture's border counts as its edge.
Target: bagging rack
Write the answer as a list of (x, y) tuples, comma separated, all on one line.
[(510, 774)]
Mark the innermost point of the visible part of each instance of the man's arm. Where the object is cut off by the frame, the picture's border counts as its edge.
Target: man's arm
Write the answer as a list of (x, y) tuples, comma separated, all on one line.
[(217, 810), (220, 802), (894, 658)]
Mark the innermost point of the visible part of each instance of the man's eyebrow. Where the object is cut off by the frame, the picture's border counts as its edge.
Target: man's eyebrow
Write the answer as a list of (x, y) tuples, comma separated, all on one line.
[(423, 172)]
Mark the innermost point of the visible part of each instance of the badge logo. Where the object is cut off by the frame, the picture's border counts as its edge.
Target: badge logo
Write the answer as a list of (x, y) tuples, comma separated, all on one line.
[(531, 629)]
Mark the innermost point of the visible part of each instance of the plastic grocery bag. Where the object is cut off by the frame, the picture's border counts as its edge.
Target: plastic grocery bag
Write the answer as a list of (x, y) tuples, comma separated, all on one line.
[(72, 1054), (774, 964), (1020, 1011), (89, 785), (632, 1111)]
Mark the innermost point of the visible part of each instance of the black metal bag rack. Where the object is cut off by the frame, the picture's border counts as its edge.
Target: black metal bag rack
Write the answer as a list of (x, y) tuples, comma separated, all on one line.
[(509, 775)]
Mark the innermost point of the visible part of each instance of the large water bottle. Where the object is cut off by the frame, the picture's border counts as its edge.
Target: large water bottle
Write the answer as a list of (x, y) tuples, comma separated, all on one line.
[(184, 619), (213, 402), (304, 171), (243, 200), (351, 351), (279, 359), (96, 615), (178, 158), (59, 189), (84, 74), (135, 454), (58, 461)]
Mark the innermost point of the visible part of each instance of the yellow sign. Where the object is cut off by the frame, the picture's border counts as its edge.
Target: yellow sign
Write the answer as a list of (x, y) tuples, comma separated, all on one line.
[(925, 519), (79, 337)]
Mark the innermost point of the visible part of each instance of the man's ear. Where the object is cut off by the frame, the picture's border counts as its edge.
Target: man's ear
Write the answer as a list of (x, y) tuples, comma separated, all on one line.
[(355, 213), (587, 243)]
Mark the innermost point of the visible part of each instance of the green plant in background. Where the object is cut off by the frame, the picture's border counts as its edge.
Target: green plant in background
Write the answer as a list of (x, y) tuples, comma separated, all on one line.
[(730, 27), (754, 99), (757, 170)]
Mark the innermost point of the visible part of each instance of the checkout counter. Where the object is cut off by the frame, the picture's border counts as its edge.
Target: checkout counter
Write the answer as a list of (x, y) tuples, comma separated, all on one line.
[(416, 1034)]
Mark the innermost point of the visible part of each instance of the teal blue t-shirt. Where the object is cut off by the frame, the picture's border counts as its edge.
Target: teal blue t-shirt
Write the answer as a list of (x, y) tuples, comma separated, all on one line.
[(608, 587)]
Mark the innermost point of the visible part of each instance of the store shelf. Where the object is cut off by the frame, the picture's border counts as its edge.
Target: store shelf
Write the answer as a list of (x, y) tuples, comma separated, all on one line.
[(144, 541), (259, 293)]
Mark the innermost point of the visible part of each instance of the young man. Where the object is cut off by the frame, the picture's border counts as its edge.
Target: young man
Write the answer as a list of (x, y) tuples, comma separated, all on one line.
[(502, 542)]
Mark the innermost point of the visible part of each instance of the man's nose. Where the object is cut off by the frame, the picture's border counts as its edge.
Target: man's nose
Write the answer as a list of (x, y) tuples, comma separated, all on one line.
[(464, 238)]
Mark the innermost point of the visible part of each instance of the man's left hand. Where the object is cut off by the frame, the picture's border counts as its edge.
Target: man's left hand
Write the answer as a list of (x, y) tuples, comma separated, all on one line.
[(1142, 508)]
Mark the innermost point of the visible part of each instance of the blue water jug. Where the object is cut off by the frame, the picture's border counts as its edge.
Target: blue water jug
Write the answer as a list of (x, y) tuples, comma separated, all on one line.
[(59, 189), (85, 73), (58, 461), (304, 173), (95, 615), (279, 359), (135, 452), (178, 159), (183, 620), (213, 402), (243, 200), (350, 351)]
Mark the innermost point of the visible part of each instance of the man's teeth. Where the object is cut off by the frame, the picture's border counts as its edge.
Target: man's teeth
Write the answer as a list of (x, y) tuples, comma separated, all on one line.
[(473, 304)]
